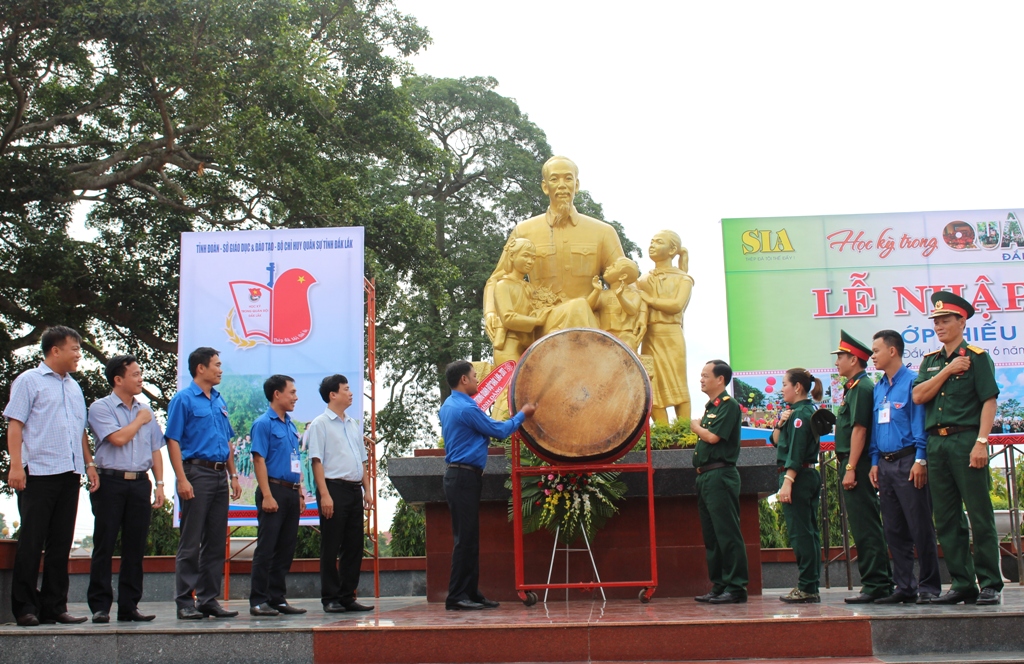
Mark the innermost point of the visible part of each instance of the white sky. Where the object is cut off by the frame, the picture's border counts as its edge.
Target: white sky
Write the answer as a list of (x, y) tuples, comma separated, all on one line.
[(680, 114)]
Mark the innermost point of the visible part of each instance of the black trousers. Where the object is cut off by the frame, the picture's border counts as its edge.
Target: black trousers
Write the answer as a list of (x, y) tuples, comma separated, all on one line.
[(48, 506), (341, 536), (199, 565), (275, 546), (462, 489), (907, 520), (119, 505)]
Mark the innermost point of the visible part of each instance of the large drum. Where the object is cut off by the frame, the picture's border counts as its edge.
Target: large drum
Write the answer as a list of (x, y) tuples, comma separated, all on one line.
[(592, 393)]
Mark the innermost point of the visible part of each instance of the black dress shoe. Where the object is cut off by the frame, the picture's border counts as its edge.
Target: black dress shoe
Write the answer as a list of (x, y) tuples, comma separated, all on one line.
[(134, 616), (957, 596), (861, 598), (706, 598), (988, 597), (216, 611), (488, 603), (897, 598), (463, 605), (64, 619), (101, 617), (288, 609), (334, 607), (190, 613), (356, 606), (28, 620), (925, 597), (729, 598), (263, 610)]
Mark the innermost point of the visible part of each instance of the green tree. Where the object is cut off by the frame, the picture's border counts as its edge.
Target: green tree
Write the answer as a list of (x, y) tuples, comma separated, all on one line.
[(1010, 408), (163, 536), (408, 531), (747, 394), (167, 116)]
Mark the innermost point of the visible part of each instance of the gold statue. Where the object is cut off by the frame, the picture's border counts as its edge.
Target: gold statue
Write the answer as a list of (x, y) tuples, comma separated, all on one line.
[(571, 250), (666, 291), (623, 312), (514, 303)]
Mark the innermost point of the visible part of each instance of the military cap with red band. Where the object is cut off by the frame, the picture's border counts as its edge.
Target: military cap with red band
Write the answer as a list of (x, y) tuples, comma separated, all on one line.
[(945, 303), (848, 344)]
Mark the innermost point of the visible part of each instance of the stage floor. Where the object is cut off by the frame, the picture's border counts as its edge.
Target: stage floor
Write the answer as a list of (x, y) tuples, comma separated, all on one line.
[(676, 629)]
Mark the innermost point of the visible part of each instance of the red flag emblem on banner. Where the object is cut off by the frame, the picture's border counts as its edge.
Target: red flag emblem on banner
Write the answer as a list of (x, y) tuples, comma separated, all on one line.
[(277, 314), (492, 386)]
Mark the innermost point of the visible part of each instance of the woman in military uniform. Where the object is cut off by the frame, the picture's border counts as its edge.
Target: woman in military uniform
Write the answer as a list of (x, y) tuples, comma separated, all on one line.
[(799, 481)]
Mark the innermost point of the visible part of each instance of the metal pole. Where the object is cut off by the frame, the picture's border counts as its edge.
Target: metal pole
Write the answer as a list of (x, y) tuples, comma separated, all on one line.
[(1014, 500), (823, 465), (845, 524), (592, 564)]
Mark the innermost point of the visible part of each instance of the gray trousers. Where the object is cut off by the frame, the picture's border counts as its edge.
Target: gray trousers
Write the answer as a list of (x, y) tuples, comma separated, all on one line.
[(204, 520), (907, 521)]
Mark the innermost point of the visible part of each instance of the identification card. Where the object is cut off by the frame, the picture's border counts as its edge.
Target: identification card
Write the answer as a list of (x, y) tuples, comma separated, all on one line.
[(295, 462), (883, 414)]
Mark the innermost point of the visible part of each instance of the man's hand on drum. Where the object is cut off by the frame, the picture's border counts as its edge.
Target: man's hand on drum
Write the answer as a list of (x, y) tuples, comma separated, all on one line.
[(528, 410)]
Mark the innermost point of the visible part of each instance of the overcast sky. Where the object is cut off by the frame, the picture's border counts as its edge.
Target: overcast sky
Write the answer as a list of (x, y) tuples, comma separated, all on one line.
[(680, 114)]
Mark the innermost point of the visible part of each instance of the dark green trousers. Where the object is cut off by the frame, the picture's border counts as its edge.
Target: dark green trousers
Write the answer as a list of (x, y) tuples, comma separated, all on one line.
[(718, 503), (864, 515), (802, 523), (954, 486)]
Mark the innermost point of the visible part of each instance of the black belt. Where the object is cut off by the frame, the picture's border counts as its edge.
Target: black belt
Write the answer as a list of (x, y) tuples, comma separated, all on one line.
[(124, 474), (899, 454), (712, 466), (466, 466), (782, 469), (949, 431), (216, 465), (340, 481), (290, 485)]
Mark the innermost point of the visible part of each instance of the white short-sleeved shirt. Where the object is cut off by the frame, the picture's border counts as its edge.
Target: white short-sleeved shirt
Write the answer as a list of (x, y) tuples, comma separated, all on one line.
[(52, 409), (108, 415), (338, 443)]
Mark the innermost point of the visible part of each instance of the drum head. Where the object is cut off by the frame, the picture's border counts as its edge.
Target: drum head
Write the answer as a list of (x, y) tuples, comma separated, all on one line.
[(592, 393)]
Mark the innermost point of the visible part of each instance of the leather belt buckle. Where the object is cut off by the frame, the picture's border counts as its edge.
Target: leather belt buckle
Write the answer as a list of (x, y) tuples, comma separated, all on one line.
[(131, 475), (943, 431)]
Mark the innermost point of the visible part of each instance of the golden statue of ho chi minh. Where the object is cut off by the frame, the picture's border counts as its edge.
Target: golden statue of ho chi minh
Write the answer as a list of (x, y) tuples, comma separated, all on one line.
[(564, 254)]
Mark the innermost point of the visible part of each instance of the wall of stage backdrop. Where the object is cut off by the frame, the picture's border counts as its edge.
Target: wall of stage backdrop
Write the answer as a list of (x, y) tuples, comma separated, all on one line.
[(281, 301), (794, 282)]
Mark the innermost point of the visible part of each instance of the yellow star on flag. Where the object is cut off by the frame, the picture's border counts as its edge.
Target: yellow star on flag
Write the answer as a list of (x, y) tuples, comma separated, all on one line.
[(302, 280)]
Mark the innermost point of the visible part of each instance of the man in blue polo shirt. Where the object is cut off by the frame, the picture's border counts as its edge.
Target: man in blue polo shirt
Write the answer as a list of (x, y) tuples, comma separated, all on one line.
[(467, 430), (198, 443), (899, 470), (280, 498)]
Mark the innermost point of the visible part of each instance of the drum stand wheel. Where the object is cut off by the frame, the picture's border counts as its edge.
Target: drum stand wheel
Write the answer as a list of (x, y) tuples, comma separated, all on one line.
[(529, 597), (645, 595)]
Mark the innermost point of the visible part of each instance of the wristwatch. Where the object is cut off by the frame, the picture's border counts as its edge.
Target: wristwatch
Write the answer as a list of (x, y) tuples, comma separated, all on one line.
[(91, 464), (923, 462), (159, 482), (849, 467), (234, 476), (983, 441)]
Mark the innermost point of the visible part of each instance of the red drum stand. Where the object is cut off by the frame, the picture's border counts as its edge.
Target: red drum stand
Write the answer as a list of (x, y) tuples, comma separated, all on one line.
[(527, 591)]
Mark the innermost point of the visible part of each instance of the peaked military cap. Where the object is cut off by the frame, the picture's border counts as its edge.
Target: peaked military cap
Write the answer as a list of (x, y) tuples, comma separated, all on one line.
[(848, 344), (945, 304), (823, 420)]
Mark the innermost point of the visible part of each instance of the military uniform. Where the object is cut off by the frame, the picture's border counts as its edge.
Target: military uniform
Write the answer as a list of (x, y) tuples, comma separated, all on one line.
[(952, 419), (862, 508), (798, 450), (718, 497)]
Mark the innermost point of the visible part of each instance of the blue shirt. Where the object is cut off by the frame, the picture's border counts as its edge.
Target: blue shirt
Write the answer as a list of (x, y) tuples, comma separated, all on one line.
[(108, 415), (276, 442), (466, 430), (52, 410), (338, 443), (906, 419), (200, 424)]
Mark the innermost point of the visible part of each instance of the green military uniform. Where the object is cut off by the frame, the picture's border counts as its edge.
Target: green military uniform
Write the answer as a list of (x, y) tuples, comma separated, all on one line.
[(798, 450), (718, 497), (862, 508), (952, 419)]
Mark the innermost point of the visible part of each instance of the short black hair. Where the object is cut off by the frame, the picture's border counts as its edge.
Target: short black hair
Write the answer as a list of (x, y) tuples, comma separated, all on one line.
[(201, 355), (454, 372), (330, 384), (721, 369), (118, 366), (56, 336), (892, 339), (276, 383)]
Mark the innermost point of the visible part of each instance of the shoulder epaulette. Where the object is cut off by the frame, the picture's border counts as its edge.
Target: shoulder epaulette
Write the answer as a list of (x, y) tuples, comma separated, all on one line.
[(725, 398), (934, 352), (979, 351)]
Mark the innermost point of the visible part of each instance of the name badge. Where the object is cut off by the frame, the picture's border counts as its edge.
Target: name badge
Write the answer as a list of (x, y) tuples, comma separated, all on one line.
[(295, 462), (883, 414)]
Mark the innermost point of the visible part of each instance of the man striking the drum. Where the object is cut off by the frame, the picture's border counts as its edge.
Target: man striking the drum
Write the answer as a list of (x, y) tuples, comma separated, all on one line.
[(467, 430)]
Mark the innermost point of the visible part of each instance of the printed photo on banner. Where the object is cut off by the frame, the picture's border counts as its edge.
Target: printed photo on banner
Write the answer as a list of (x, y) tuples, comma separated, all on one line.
[(274, 302)]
